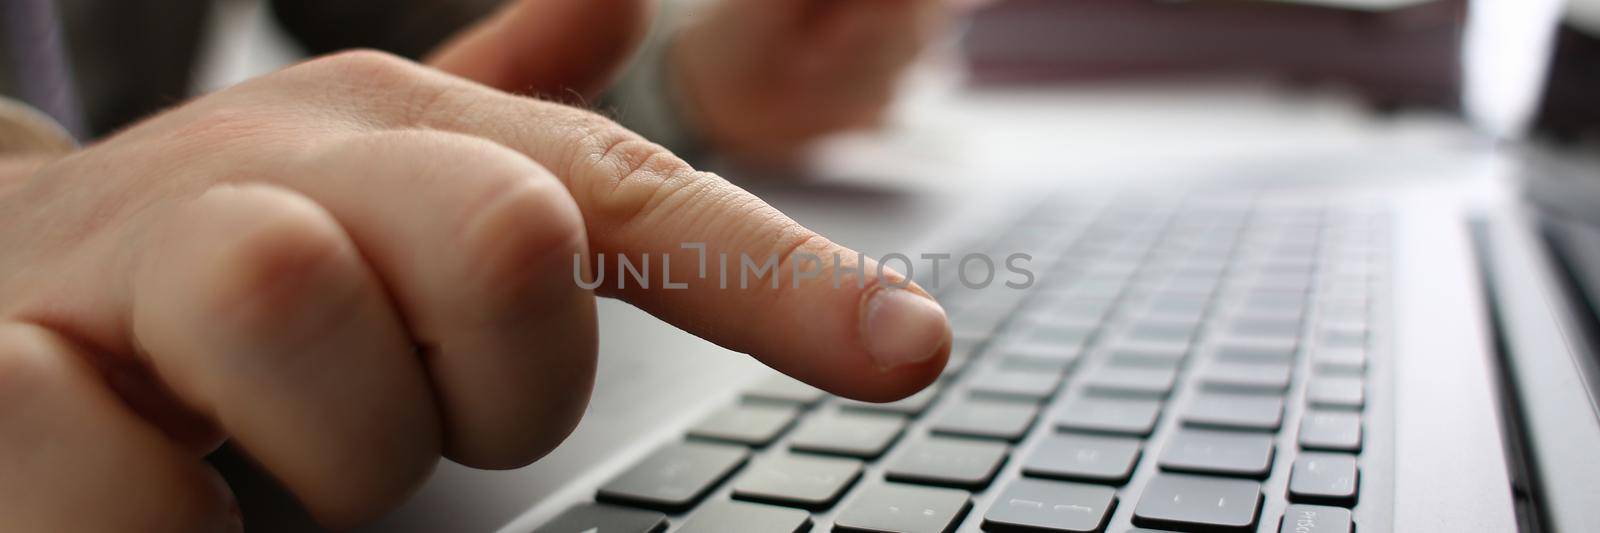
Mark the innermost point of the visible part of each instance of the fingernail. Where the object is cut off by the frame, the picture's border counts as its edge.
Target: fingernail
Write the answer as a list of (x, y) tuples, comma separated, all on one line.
[(901, 327)]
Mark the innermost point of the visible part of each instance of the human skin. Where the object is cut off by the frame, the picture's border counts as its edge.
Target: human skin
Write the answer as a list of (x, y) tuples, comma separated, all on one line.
[(357, 265)]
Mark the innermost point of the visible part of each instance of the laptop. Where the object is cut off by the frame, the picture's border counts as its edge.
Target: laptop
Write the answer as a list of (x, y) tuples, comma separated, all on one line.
[(1182, 355)]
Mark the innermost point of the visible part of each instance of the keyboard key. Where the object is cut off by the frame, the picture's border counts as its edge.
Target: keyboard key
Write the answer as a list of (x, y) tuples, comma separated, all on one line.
[(804, 481), (1197, 502), (1163, 329), (1257, 350), (1023, 362), (1248, 412), (1040, 505), (961, 353), (1131, 381), (675, 477), (978, 322), (1336, 392), (1269, 326), (1115, 416), (1218, 452), (950, 462), (1084, 458), (851, 434), (903, 509), (955, 364), (599, 517), (1267, 300), (750, 424), (1270, 378), (1176, 301), (1324, 478), (1078, 308), (1316, 519), (992, 419), (719, 517), (1018, 384), (1344, 334), (1331, 430), (1067, 335), (1340, 361), (1168, 355), (913, 405), (784, 389)]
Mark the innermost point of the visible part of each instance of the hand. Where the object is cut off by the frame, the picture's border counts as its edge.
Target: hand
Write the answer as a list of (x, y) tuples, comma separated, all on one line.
[(354, 266), (763, 77)]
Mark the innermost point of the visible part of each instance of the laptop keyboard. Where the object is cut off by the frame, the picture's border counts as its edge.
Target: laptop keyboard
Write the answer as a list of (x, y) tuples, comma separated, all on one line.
[(1180, 365)]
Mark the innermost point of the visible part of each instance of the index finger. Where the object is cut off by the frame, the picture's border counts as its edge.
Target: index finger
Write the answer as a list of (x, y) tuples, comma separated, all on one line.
[(715, 260)]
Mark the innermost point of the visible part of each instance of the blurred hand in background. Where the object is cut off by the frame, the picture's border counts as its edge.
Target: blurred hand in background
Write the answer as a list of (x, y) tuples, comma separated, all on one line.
[(760, 78)]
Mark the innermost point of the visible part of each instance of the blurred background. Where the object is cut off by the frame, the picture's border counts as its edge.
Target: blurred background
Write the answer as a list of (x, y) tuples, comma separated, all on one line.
[(1385, 56)]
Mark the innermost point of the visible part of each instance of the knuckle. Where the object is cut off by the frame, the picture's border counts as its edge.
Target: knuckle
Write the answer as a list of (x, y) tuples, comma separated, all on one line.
[(363, 64), (527, 228), (275, 272), (382, 87), (628, 177)]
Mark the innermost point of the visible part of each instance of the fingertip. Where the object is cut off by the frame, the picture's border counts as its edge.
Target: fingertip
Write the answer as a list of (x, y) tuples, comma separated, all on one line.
[(901, 326)]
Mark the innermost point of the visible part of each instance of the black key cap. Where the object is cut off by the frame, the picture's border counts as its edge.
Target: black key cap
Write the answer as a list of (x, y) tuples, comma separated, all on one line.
[(587, 517), (675, 476), (1235, 411), (723, 516), (1324, 478), (1331, 430), (991, 419), (1257, 350), (1197, 502), (1336, 392), (804, 481), (784, 389), (1040, 505), (1217, 452), (1316, 519), (1018, 384), (957, 463), (855, 435), (1267, 378), (913, 405), (1131, 381), (749, 424), (1115, 416), (898, 508), (1084, 458)]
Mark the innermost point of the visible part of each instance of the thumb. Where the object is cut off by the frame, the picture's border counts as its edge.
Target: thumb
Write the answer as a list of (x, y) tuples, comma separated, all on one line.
[(548, 47)]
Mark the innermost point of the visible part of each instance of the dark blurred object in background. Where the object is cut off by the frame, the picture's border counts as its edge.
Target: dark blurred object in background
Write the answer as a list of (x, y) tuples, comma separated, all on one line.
[(1571, 105), (1396, 53)]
